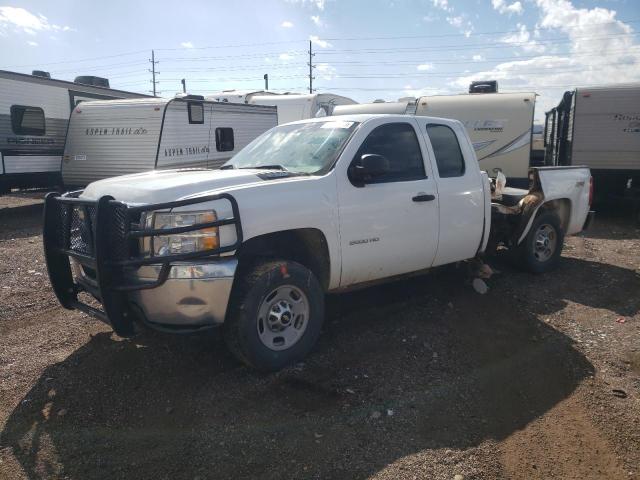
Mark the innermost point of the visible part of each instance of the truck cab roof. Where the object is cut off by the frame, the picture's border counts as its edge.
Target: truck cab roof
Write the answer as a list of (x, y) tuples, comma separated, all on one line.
[(366, 117)]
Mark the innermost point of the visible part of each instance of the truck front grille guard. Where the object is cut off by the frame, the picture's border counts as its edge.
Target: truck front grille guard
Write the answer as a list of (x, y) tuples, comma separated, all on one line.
[(104, 236)]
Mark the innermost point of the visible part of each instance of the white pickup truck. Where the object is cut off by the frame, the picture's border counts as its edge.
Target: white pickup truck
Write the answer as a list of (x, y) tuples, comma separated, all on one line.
[(308, 208)]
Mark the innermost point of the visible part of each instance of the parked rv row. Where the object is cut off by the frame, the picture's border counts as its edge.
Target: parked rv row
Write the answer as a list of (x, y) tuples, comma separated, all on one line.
[(48, 138)]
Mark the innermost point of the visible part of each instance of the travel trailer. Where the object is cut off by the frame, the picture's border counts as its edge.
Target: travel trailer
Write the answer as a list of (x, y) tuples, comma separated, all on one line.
[(119, 137), (499, 125), (598, 127), (34, 112), (291, 106)]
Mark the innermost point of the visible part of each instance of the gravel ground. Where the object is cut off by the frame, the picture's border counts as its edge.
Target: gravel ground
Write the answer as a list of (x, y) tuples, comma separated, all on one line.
[(419, 379)]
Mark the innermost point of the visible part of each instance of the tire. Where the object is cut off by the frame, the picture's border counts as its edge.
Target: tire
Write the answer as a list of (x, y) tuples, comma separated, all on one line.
[(275, 314), (536, 256)]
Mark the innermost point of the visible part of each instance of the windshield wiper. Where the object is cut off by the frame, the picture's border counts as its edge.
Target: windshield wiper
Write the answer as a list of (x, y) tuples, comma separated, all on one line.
[(227, 167), (267, 167)]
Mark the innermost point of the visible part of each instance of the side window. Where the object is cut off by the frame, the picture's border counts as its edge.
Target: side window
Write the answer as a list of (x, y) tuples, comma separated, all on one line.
[(27, 120), (196, 112), (224, 139), (447, 151), (398, 143)]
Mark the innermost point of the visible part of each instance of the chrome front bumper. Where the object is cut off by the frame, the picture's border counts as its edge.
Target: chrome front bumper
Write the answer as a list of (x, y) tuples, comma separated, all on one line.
[(195, 294)]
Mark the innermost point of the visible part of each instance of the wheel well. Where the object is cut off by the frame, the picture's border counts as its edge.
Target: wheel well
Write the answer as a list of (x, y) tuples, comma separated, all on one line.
[(307, 246), (562, 208)]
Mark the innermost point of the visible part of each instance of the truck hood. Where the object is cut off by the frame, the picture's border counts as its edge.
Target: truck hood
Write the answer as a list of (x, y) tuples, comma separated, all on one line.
[(168, 185)]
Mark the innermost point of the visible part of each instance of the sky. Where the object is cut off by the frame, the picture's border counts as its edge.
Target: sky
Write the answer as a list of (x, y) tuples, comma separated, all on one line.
[(365, 50)]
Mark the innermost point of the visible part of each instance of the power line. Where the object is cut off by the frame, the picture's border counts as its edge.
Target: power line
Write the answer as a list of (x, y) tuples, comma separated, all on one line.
[(134, 52), (503, 32), (475, 46), (353, 75), (508, 88)]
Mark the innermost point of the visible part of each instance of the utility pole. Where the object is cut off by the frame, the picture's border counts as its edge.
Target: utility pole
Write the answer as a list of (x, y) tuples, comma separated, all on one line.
[(311, 66), (154, 82), (266, 81), (184, 85)]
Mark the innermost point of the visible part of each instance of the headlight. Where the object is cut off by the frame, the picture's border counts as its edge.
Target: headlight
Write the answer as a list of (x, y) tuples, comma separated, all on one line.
[(187, 242)]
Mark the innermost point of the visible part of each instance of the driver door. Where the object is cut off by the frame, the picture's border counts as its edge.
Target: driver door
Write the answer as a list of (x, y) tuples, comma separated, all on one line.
[(388, 226)]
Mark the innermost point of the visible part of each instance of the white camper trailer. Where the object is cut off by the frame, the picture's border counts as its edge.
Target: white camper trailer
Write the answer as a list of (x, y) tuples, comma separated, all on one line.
[(291, 106), (34, 112), (499, 125), (598, 127), (107, 139)]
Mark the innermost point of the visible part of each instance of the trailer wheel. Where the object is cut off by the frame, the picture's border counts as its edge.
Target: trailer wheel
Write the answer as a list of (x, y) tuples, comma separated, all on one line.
[(275, 315), (540, 251)]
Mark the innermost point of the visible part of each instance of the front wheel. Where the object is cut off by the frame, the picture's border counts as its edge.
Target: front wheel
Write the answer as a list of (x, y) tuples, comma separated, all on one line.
[(540, 250), (275, 315)]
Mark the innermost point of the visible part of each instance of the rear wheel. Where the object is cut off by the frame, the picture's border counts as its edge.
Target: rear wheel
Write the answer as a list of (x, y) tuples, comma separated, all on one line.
[(275, 314), (540, 251)]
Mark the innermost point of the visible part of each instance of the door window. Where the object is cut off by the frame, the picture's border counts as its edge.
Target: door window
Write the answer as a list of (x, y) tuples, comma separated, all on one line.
[(27, 120), (398, 143), (196, 112), (447, 151)]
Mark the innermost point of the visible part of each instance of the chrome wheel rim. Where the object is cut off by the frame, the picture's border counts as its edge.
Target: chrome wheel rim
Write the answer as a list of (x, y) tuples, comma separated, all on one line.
[(283, 317), (545, 242)]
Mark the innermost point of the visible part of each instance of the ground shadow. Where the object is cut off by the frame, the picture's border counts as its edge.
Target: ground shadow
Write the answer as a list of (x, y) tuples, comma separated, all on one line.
[(21, 221), (443, 366)]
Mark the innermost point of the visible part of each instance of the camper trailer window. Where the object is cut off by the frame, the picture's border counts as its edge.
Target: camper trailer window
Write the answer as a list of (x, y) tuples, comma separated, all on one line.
[(27, 120), (224, 139), (196, 112), (398, 143), (447, 151)]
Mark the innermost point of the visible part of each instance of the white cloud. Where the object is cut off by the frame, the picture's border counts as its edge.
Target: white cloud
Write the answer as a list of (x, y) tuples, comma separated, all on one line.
[(319, 4), (21, 20), (286, 24), (477, 58), (285, 56), (522, 39), (32, 43), (600, 50), (417, 92), (317, 41), (503, 6), (455, 21), (423, 67), (325, 71), (442, 5), (186, 45), (317, 20)]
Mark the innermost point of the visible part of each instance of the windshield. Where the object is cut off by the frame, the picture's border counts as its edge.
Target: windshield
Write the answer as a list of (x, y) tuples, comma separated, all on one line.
[(309, 148)]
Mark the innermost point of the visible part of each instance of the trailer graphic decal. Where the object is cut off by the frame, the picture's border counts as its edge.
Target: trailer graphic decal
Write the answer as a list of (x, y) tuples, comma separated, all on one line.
[(115, 131), (634, 122), (185, 151)]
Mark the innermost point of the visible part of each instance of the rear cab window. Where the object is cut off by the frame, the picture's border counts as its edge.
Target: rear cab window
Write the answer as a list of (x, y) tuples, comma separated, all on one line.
[(27, 120), (446, 148)]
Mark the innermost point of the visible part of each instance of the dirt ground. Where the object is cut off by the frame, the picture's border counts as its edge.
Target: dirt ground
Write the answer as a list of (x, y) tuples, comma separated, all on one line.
[(420, 379)]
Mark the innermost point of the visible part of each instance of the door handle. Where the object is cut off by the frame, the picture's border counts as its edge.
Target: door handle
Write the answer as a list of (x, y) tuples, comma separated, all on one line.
[(423, 197)]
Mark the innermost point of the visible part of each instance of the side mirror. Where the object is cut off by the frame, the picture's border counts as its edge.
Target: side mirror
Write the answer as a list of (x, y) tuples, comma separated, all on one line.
[(368, 167)]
